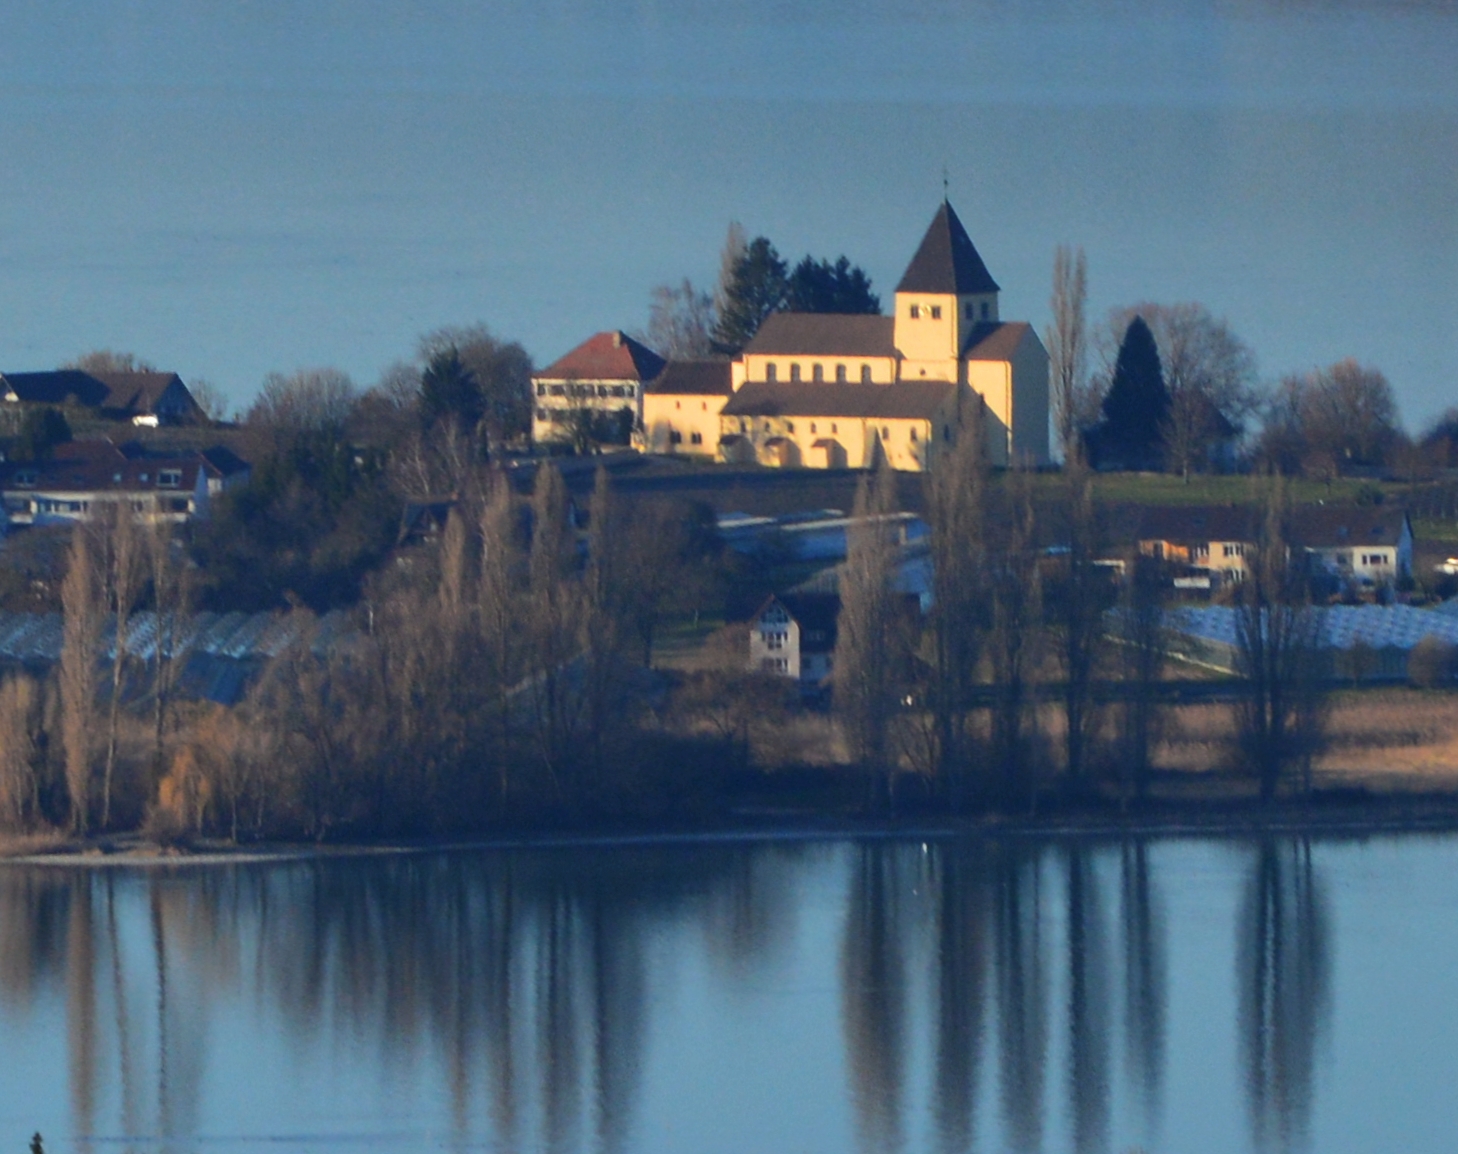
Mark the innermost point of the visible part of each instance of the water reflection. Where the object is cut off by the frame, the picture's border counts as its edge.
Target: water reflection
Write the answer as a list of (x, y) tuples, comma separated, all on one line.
[(524, 987), (1283, 989)]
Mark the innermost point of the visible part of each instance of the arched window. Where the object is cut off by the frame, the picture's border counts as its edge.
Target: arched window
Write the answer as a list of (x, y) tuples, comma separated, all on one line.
[(865, 374), (795, 372), (771, 372), (817, 373), (840, 374)]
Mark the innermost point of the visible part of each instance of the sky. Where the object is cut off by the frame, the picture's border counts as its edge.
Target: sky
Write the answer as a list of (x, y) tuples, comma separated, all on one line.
[(231, 190)]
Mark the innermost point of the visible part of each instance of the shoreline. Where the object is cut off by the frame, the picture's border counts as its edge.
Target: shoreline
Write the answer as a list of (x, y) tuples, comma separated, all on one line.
[(1235, 818)]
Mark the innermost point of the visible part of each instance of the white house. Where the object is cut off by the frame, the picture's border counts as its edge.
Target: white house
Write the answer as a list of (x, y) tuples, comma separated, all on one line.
[(793, 635)]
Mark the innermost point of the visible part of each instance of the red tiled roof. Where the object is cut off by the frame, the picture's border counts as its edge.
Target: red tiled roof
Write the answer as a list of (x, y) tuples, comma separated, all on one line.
[(607, 356), (100, 466)]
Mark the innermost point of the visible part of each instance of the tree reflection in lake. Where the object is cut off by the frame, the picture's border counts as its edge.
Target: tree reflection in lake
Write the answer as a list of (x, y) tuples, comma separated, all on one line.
[(520, 993), (1283, 988)]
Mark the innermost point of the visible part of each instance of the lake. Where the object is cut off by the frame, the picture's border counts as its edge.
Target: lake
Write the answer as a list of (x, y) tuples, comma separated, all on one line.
[(1165, 994)]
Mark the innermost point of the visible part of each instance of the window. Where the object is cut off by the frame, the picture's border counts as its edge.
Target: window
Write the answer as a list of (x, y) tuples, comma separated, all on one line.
[(833, 429), (812, 427), (631, 390), (559, 390), (704, 406), (143, 478), (840, 374), (885, 432), (541, 414), (794, 372), (936, 312), (169, 478), (743, 425), (913, 434), (817, 373), (771, 372), (675, 437), (865, 374), (541, 390), (914, 312), (1234, 549), (696, 438), (789, 426), (947, 433), (602, 390), (986, 310), (774, 639), (678, 404), (177, 504), (25, 478), (970, 312)]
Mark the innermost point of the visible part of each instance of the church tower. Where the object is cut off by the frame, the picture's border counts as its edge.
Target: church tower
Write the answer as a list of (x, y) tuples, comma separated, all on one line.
[(944, 295)]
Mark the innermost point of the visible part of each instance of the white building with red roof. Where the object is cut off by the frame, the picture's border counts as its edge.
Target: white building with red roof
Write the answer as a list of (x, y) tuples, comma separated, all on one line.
[(594, 393)]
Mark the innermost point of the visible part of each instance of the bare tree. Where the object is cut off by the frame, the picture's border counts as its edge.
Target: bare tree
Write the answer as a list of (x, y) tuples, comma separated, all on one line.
[(957, 494), (499, 602), (110, 361), (1067, 339), (680, 321), (121, 556), (1016, 606), (83, 614), (211, 400), (1280, 717), (20, 737), (866, 657), (736, 241), (172, 600), (1077, 618), (309, 401), (1143, 646)]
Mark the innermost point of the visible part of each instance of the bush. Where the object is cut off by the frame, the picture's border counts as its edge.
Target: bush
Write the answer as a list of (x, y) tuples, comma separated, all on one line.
[(1430, 664)]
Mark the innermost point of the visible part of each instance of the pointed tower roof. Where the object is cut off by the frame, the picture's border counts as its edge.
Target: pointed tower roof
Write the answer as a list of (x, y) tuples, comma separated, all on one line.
[(947, 261)]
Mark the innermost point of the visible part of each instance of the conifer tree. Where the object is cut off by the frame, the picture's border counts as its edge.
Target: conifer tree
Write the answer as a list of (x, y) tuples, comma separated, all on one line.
[(755, 288), (1137, 403)]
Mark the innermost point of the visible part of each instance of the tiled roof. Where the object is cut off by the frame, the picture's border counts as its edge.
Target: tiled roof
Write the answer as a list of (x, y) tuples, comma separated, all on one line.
[(1337, 526), (126, 394), (100, 466), (694, 378), (825, 335), (606, 356), (904, 400), (947, 261), (994, 340), (1198, 524)]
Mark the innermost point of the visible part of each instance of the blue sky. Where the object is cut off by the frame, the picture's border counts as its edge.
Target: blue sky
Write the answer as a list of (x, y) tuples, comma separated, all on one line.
[(230, 190)]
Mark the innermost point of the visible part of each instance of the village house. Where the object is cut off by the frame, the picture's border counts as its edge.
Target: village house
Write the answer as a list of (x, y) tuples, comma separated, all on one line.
[(824, 390), (137, 398), (594, 392), (81, 476), (1364, 547), (681, 407), (1206, 546), (793, 635)]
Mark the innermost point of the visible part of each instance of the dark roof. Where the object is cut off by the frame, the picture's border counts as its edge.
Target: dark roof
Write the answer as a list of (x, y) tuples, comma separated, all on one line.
[(825, 335), (100, 466), (61, 387), (1198, 524), (947, 261), (225, 461), (994, 340), (1336, 526), (694, 378), (606, 356), (814, 613), (902, 400), (136, 393)]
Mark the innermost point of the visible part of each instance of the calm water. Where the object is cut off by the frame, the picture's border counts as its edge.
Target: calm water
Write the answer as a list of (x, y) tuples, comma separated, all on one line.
[(1171, 995)]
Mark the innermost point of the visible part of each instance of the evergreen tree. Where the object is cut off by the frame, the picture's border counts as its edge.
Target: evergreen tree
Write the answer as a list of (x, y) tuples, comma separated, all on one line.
[(1137, 403), (449, 389), (41, 430), (823, 287), (755, 289)]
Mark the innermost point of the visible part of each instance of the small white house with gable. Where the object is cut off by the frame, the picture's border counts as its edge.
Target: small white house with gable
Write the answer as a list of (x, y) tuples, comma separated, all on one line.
[(793, 635)]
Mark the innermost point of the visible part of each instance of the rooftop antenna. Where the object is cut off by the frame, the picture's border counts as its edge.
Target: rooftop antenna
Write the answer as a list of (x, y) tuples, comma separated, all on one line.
[(946, 182)]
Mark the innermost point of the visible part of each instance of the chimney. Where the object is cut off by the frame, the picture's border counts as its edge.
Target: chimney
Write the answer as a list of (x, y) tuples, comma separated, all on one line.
[(617, 339)]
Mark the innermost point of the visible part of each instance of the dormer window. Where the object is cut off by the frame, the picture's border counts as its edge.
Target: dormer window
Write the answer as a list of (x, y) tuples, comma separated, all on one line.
[(143, 478), (169, 478)]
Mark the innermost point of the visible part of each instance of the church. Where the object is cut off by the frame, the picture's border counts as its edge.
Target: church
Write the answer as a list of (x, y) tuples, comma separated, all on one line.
[(825, 390)]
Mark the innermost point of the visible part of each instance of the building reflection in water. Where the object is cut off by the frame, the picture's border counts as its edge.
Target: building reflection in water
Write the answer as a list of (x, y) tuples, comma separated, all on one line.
[(1282, 961), (525, 980)]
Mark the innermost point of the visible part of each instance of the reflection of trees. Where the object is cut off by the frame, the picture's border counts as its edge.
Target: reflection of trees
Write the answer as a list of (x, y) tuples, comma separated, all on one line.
[(1088, 1003), (1144, 976), (963, 914), (1283, 988), (524, 975), (873, 993), (1022, 995)]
